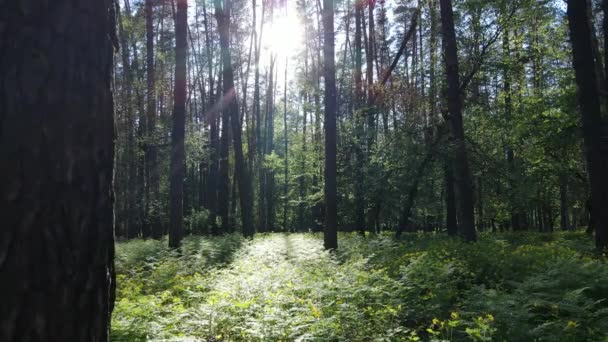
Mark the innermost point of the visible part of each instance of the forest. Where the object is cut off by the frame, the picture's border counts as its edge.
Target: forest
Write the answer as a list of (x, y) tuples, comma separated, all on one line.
[(304, 170)]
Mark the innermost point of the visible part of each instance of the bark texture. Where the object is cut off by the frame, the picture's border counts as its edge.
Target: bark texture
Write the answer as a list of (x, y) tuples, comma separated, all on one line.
[(462, 174), (57, 159)]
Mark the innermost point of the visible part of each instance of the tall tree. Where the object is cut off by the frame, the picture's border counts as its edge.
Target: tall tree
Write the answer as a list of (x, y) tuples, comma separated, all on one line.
[(286, 142), (231, 107), (177, 172), (463, 186), (152, 209), (593, 125), (329, 72), (359, 123), (57, 152)]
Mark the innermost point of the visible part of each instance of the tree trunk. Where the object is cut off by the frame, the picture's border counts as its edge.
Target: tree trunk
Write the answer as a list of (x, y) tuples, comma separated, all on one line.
[(515, 216), (286, 141), (450, 199), (331, 195), (133, 229), (564, 203), (589, 101), (232, 108), (359, 123), (223, 190), (463, 186), (605, 28), (176, 229), (213, 177), (57, 152), (152, 210)]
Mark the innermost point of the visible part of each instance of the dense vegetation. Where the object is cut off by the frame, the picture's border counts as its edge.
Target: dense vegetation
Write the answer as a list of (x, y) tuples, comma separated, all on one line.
[(508, 286)]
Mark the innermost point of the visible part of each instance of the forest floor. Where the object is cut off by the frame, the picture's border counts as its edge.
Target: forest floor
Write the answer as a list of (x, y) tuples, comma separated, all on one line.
[(285, 287)]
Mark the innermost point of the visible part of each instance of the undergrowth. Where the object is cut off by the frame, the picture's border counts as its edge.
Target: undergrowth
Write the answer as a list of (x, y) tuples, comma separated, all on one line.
[(278, 287)]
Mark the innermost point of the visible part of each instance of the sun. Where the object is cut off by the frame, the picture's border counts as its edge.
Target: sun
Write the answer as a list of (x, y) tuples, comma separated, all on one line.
[(284, 35)]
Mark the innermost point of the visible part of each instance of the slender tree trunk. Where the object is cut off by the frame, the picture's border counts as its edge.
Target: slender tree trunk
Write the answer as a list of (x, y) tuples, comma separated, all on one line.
[(223, 190), (359, 123), (513, 198), (57, 152), (303, 171), (450, 199), (152, 210), (285, 138), (464, 188), (232, 108), (133, 229), (605, 29), (564, 203), (177, 172), (331, 192), (589, 101)]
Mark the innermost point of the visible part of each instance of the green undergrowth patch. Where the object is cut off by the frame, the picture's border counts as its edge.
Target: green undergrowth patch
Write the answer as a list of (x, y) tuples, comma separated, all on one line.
[(280, 287)]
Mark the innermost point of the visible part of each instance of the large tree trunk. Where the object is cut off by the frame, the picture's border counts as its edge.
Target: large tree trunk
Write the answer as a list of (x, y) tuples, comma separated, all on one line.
[(331, 192), (57, 152), (589, 101), (176, 230), (463, 186), (231, 108)]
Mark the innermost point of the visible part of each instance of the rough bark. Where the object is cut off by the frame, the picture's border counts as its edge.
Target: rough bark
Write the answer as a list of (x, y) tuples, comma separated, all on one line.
[(57, 152)]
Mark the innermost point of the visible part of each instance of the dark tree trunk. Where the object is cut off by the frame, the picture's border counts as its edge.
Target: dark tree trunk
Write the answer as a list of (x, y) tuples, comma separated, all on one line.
[(463, 186), (331, 192), (450, 199), (480, 218), (176, 230), (589, 101), (286, 141), (231, 107), (605, 29), (515, 217), (223, 190), (564, 203), (302, 178), (57, 152), (359, 123), (213, 178)]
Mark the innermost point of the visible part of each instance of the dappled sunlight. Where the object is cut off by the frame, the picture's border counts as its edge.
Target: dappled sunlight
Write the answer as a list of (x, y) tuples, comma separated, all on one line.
[(287, 287)]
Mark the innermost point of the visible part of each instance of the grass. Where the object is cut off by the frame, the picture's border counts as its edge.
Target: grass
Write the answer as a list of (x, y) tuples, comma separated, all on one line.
[(279, 287)]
